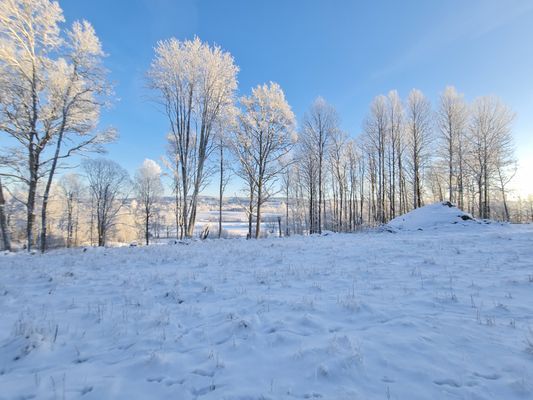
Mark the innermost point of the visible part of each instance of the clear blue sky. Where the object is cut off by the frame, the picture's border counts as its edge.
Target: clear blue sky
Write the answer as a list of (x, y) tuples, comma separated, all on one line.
[(345, 51)]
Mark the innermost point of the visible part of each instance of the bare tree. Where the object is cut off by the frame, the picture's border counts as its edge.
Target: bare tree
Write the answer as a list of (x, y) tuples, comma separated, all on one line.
[(108, 185), (396, 148), (338, 151), (317, 127), (506, 168), (286, 183), (419, 131), (195, 84), (171, 163), (376, 127), (452, 118), (491, 146), (225, 177), (72, 189), (148, 190)]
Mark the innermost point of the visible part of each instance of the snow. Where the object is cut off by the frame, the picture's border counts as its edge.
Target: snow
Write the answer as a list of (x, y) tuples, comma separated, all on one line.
[(423, 314), (433, 216)]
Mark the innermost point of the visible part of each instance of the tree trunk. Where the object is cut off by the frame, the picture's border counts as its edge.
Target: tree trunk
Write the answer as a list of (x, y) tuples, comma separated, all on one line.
[(250, 212), (220, 191), (48, 187), (258, 212), (3, 221), (185, 208), (32, 192), (287, 211), (319, 228), (147, 227)]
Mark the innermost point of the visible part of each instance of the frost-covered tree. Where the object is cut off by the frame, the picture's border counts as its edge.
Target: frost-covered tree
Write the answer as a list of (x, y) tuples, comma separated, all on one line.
[(171, 164), (419, 123), (72, 190), (396, 154), (4, 229), (491, 148), (264, 138), (338, 160), (224, 127), (452, 118), (376, 131), (195, 84), (52, 87), (318, 125), (108, 185), (224, 177), (148, 190)]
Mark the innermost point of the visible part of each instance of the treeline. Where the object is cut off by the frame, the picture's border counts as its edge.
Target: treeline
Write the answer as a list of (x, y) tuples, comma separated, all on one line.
[(407, 155), (54, 86)]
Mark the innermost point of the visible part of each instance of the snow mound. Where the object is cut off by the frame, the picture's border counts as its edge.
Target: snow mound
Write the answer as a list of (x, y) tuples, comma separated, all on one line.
[(432, 216)]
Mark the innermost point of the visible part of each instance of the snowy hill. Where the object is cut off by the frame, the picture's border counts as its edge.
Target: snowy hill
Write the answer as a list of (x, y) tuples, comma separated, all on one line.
[(427, 314), (432, 216)]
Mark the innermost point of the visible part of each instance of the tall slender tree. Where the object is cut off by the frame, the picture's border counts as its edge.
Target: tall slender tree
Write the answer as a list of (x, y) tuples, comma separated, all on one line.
[(148, 190), (318, 126), (109, 186), (451, 120), (195, 84), (491, 146), (265, 136), (419, 130)]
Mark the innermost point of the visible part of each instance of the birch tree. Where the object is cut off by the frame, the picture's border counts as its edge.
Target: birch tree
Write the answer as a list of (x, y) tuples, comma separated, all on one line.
[(491, 146), (265, 136), (418, 116), (318, 126), (224, 178), (72, 190), (396, 150), (452, 117), (148, 190), (52, 87), (195, 84), (376, 130), (108, 185), (338, 151), (6, 241), (308, 174)]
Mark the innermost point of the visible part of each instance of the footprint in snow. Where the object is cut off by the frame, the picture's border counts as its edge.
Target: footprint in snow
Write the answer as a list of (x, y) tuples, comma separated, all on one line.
[(491, 377), (203, 391), (171, 382), (201, 372), (447, 382), (85, 390), (157, 379)]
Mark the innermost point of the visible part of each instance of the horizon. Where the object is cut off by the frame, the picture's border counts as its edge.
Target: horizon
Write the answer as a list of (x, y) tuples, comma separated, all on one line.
[(347, 53)]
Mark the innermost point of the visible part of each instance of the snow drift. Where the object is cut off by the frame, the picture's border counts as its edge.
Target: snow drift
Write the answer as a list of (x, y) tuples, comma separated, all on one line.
[(432, 216)]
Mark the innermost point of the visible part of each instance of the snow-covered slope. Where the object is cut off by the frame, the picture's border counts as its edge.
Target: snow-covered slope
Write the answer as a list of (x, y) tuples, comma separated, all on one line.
[(428, 314), (438, 215)]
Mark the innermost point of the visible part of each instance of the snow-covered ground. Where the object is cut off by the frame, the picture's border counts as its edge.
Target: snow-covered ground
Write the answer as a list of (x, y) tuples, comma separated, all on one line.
[(439, 313)]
